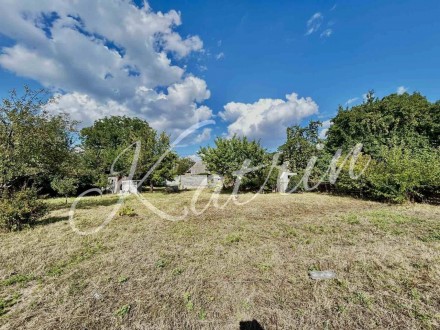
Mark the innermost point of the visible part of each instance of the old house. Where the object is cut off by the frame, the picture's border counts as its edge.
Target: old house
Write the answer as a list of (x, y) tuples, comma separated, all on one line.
[(197, 176)]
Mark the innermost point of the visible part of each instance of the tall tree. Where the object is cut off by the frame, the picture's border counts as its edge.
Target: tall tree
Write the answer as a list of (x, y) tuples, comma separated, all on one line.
[(34, 144), (228, 156), (300, 145), (401, 134), (107, 139), (405, 118), (166, 168)]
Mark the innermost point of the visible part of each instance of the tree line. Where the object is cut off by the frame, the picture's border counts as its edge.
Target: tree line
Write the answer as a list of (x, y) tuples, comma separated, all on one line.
[(43, 153)]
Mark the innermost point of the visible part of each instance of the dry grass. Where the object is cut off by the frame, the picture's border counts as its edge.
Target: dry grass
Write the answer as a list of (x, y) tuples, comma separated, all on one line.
[(225, 266)]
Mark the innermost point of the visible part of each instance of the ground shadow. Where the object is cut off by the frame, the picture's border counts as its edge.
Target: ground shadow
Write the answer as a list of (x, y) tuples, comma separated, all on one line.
[(250, 325), (86, 203), (50, 220)]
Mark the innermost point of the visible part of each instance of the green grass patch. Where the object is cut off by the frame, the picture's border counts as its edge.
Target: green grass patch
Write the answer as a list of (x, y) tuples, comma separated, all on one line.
[(352, 219), (7, 303), (18, 278), (123, 311), (233, 238), (87, 252)]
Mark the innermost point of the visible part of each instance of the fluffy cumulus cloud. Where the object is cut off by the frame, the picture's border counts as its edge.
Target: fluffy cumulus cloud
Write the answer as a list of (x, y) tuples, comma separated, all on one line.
[(267, 118), (106, 58), (203, 136)]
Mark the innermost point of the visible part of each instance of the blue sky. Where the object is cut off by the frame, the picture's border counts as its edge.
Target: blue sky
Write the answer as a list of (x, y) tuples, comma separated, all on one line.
[(251, 50)]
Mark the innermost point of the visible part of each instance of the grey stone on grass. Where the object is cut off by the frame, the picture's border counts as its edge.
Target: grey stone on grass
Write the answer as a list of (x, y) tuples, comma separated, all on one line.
[(322, 275)]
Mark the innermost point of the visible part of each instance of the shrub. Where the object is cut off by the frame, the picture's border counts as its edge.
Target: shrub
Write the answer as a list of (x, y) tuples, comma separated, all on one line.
[(22, 208), (127, 211), (65, 186), (398, 174)]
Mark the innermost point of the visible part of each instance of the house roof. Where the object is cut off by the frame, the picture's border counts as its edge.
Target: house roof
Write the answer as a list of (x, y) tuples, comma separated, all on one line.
[(198, 168)]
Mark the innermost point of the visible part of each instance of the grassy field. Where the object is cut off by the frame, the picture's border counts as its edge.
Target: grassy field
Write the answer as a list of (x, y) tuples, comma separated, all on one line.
[(227, 266)]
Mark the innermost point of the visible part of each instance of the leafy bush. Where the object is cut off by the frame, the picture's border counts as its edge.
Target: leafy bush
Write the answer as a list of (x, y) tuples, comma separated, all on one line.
[(20, 209), (65, 186), (127, 211), (398, 174)]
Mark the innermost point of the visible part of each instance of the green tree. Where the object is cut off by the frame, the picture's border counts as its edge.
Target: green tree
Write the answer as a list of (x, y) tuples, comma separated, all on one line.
[(400, 133), (300, 145), (65, 186), (183, 165), (109, 137), (229, 155), (378, 122), (34, 144), (166, 168)]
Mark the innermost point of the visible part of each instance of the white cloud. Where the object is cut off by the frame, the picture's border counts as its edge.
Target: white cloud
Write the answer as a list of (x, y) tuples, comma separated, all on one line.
[(220, 56), (401, 90), (314, 23), (324, 129), (204, 136), (195, 157), (267, 118), (326, 33), (352, 100), (106, 58), (173, 110)]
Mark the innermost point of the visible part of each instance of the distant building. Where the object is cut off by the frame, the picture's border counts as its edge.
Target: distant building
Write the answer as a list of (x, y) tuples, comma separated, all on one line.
[(284, 178), (130, 186), (114, 184), (198, 168), (122, 185), (197, 176)]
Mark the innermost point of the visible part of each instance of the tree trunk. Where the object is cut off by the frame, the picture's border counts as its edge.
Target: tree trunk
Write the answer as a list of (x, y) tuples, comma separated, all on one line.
[(151, 187)]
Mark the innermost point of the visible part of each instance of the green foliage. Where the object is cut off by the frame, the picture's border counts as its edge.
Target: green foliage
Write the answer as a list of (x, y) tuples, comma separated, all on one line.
[(346, 184), (177, 271), (166, 168), (270, 173), (380, 122), (397, 175), (20, 209), (228, 156), (18, 278), (402, 173), (400, 133), (233, 238), (122, 279), (107, 139), (34, 144), (65, 186), (161, 263), (127, 211), (300, 145), (183, 165), (188, 302), (123, 311), (6, 304)]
